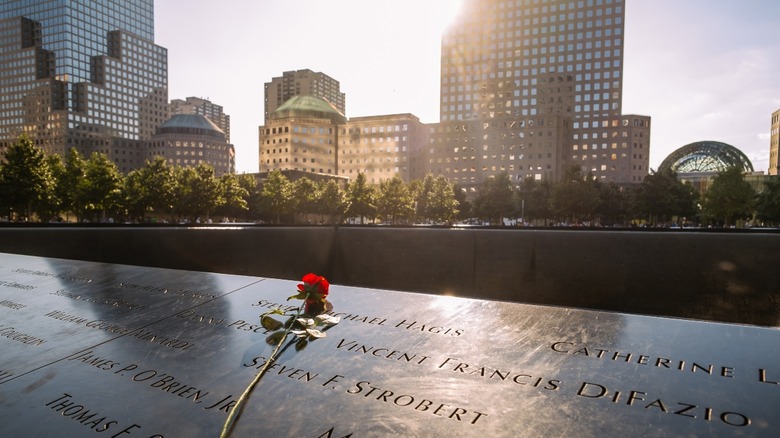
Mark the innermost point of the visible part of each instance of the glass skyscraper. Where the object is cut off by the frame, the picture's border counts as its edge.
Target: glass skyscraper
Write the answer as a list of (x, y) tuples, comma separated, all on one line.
[(531, 87), (83, 74)]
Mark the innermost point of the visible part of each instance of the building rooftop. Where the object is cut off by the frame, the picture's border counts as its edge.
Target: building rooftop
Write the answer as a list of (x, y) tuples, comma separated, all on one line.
[(704, 157), (190, 124), (306, 106)]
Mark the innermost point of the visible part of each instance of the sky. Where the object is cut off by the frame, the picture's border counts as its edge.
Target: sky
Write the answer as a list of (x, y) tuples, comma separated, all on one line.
[(702, 69)]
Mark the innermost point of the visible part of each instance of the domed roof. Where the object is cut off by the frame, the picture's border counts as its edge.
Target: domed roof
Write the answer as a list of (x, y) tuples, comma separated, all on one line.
[(190, 124), (308, 107), (706, 157)]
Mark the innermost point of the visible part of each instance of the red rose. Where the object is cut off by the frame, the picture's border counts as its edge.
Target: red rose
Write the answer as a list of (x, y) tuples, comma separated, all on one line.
[(315, 285)]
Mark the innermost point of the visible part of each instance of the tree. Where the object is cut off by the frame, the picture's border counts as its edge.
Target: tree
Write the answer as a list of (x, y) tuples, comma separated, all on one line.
[(196, 193), (25, 179), (361, 199), (661, 196), (614, 205), (304, 193), (100, 190), (395, 200), (232, 196), (68, 183), (330, 199), (53, 207), (496, 199), (420, 190), (150, 189), (277, 196), (441, 205), (729, 197), (134, 194), (575, 198), (248, 182), (535, 199), (465, 208), (768, 202)]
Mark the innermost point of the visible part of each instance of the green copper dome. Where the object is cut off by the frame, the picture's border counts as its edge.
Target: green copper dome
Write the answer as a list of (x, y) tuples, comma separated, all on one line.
[(308, 107), (190, 124)]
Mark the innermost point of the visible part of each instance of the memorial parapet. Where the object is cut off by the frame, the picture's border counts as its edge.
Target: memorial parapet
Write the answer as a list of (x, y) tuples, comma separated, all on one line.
[(121, 351)]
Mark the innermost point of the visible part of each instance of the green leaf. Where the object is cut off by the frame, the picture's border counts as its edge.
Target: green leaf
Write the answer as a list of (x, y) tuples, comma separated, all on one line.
[(301, 344), (269, 323), (275, 338), (299, 296)]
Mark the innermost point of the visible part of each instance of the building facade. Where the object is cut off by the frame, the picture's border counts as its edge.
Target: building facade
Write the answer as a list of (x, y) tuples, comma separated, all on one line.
[(308, 134), (301, 135), (83, 74), (530, 87), (381, 147), (187, 140), (774, 144), (203, 107), (302, 82)]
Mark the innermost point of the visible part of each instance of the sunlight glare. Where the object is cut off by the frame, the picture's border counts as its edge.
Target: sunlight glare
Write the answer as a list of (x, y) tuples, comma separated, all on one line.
[(448, 11)]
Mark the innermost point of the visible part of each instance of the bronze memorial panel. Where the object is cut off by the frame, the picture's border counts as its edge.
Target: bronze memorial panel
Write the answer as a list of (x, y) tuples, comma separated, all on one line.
[(173, 350)]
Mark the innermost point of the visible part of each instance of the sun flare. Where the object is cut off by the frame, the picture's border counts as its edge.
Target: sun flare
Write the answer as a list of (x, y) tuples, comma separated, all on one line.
[(448, 11)]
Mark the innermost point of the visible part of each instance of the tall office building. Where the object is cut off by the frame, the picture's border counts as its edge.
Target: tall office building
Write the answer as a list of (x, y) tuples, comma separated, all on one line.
[(381, 147), (202, 107), (299, 83), (774, 144), (83, 74), (531, 87)]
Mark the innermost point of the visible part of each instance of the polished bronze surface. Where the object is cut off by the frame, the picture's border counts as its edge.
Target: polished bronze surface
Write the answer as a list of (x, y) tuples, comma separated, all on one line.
[(133, 351)]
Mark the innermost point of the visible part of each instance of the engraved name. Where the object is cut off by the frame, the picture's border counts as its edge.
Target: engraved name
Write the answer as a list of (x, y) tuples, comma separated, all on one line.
[(12, 305), (24, 338), (53, 275)]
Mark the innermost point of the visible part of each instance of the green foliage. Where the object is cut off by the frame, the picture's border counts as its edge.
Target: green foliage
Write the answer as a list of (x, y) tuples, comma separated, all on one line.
[(614, 206), (420, 190), (26, 181), (254, 199), (535, 200), (67, 185), (441, 205), (662, 196), (100, 191), (729, 197), (395, 200), (465, 208), (496, 199), (304, 197), (361, 199), (330, 200), (575, 198), (197, 192), (277, 195), (233, 197), (150, 189), (768, 203)]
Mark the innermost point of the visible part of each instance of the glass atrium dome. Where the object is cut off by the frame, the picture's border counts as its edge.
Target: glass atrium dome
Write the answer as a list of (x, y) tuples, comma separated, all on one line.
[(706, 157)]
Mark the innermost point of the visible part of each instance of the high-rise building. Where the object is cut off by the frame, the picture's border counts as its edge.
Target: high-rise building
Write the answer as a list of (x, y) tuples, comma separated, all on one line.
[(83, 74), (203, 107), (302, 82), (531, 87), (382, 147), (186, 140), (774, 144), (308, 134), (301, 135)]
